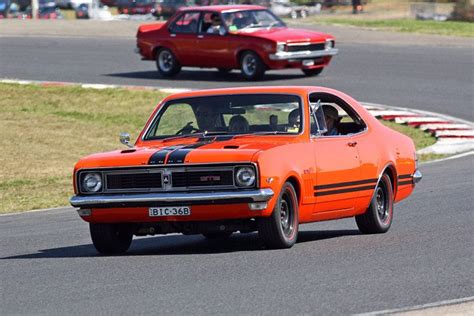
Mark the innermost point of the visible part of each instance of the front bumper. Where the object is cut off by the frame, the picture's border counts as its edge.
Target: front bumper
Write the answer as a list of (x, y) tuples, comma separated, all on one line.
[(303, 54), (417, 176), (188, 198)]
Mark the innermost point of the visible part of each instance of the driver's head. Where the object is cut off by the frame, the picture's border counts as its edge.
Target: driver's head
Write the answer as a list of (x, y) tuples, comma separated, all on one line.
[(215, 19), (206, 117), (331, 116), (294, 118)]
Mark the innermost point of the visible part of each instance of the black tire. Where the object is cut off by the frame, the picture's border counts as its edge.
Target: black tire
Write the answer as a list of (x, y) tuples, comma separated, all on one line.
[(167, 63), (379, 216), (217, 235), (251, 66), (110, 239), (312, 72), (280, 230)]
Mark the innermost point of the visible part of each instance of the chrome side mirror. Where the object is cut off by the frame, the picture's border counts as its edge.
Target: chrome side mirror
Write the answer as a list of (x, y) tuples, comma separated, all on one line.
[(125, 139)]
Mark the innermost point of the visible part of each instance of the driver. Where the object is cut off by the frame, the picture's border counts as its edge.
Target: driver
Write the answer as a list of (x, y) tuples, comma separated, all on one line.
[(207, 117)]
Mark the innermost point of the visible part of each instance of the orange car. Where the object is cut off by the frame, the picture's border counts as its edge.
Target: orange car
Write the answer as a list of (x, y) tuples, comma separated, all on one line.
[(263, 159)]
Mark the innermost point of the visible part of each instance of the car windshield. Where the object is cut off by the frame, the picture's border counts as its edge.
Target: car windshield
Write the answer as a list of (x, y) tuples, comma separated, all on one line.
[(228, 114), (251, 19)]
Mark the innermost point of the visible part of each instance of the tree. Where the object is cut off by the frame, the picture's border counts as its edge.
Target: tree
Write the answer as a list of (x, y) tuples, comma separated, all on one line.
[(463, 11)]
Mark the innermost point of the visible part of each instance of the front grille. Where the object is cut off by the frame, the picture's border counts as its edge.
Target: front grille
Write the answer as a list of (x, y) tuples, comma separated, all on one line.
[(134, 181), (306, 47), (202, 178)]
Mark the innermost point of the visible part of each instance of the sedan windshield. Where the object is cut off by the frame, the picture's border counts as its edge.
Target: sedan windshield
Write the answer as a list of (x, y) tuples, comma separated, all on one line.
[(250, 19), (227, 114)]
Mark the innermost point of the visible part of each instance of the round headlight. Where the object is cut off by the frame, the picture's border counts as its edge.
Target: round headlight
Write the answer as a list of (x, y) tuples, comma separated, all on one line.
[(245, 177), (92, 182), (280, 47), (329, 44)]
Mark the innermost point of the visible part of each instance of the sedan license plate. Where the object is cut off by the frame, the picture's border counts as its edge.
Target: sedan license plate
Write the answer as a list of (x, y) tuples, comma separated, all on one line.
[(169, 211), (308, 62)]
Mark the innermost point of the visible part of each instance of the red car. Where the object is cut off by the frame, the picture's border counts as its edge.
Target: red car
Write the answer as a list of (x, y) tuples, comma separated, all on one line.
[(245, 37)]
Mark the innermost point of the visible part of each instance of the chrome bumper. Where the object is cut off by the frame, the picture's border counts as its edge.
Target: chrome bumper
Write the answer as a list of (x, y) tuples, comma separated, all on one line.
[(152, 199), (304, 54), (417, 176)]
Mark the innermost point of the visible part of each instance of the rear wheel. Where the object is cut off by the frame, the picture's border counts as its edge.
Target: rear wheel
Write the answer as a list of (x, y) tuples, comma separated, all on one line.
[(312, 72), (111, 238), (167, 63), (378, 217), (252, 66), (280, 230)]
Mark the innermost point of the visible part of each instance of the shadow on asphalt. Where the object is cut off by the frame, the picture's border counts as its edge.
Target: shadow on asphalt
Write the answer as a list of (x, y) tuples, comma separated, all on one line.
[(183, 245), (203, 75)]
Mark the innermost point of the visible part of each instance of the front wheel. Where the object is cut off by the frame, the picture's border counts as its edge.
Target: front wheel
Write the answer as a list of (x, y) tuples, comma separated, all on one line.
[(111, 239), (252, 66), (167, 64), (312, 72), (378, 217), (280, 230)]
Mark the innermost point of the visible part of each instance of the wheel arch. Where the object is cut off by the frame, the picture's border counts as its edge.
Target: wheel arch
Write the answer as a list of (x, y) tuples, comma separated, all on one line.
[(391, 171), (296, 185), (242, 50)]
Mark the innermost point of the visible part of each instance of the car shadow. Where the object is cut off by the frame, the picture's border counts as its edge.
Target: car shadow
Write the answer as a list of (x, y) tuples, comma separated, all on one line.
[(202, 75), (182, 245)]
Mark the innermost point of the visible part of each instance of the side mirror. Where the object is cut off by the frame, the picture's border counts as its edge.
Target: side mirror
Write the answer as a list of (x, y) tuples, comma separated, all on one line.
[(125, 139)]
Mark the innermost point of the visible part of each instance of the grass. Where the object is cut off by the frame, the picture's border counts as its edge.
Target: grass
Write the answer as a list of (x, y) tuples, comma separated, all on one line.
[(45, 130), (451, 28)]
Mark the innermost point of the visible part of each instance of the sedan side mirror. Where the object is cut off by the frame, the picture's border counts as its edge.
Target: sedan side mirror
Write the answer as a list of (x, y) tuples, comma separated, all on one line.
[(125, 139)]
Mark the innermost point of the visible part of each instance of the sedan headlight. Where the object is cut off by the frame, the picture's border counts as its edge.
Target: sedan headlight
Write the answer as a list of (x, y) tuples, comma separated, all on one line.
[(280, 47), (245, 177), (329, 45), (91, 182)]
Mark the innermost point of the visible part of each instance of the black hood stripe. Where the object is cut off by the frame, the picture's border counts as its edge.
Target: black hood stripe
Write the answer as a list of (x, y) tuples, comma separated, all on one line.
[(159, 158), (179, 155)]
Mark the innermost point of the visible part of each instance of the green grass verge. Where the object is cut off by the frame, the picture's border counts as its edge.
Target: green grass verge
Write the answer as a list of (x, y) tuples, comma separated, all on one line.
[(45, 130), (451, 28)]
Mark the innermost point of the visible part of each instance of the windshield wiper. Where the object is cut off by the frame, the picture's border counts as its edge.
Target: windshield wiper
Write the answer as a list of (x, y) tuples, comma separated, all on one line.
[(263, 133), (195, 135), (272, 24), (251, 25)]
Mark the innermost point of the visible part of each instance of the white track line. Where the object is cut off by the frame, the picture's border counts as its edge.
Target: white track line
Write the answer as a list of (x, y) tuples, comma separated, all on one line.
[(420, 307)]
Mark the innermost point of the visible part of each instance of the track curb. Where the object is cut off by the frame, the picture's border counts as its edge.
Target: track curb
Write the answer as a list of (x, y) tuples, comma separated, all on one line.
[(454, 135)]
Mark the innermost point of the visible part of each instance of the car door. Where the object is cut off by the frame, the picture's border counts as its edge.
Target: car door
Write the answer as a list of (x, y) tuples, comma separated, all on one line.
[(213, 48), (183, 35), (338, 169)]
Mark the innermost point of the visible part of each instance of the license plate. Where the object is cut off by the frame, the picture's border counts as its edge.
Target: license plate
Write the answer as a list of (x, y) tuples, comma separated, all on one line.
[(308, 62), (169, 211)]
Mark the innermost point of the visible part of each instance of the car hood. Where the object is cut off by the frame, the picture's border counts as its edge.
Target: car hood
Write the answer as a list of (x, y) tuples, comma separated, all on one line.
[(288, 35), (227, 151)]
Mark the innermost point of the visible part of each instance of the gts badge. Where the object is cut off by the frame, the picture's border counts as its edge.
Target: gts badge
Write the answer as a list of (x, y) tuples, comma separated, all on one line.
[(210, 178)]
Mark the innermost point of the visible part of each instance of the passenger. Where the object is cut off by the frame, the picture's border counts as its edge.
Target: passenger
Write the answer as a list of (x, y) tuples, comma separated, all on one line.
[(294, 118), (216, 24), (238, 125), (207, 118), (331, 115)]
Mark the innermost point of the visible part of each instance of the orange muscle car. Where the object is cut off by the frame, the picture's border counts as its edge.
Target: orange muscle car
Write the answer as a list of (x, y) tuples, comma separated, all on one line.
[(263, 159)]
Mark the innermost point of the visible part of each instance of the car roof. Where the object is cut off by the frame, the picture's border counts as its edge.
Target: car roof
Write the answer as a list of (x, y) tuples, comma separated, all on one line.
[(223, 8)]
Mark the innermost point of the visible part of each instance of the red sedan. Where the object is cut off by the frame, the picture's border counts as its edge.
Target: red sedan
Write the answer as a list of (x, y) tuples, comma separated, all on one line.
[(245, 37)]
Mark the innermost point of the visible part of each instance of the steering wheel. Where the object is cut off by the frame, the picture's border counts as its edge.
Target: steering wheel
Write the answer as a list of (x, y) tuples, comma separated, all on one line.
[(187, 129)]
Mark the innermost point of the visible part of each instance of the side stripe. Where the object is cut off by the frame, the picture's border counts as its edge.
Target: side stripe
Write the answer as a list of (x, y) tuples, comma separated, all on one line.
[(404, 182), (340, 191), (405, 176), (344, 184)]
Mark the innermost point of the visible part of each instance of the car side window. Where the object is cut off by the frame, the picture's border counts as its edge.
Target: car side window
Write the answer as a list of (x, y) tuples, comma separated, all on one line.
[(186, 23)]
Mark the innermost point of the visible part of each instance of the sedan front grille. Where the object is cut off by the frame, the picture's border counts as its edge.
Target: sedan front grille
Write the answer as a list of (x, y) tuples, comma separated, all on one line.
[(203, 178), (134, 181), (305, 47)]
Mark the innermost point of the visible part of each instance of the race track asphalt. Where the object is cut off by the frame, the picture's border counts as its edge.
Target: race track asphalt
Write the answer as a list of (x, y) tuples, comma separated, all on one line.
[(48, 265), (433, 78)]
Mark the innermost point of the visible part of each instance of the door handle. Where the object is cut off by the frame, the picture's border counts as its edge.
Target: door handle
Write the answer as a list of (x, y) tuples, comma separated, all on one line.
[(351, 144), (200, 36), (173, 35)]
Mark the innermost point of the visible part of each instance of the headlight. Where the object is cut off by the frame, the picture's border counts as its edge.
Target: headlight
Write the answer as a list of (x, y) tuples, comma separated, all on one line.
[(280, 47), (245, 177), (329, 45), (91, 182)]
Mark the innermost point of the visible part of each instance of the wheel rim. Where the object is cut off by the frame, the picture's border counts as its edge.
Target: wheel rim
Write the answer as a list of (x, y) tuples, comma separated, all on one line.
[(383, 210), (249, 64), (165, 60), (287, 215)]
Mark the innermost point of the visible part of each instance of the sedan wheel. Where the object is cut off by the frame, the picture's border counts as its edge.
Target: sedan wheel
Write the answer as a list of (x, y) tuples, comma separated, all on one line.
[(252, 66), (111, 238), (280, 230), (167, 63), (378, 217)]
